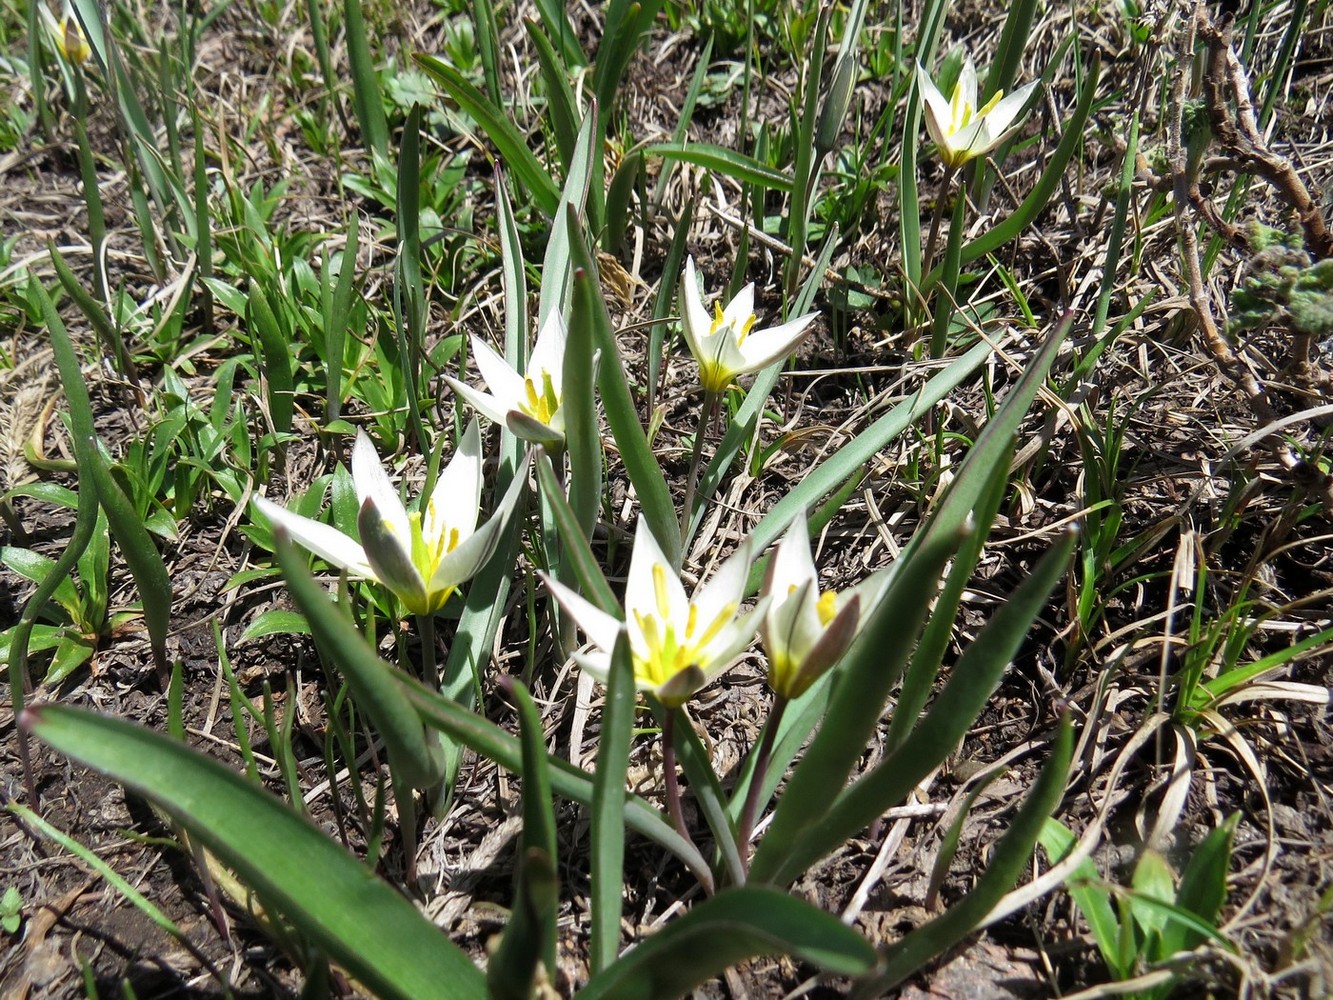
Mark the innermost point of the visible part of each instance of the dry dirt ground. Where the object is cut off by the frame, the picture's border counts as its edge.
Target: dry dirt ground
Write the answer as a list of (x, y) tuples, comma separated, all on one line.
[(1188, 490)]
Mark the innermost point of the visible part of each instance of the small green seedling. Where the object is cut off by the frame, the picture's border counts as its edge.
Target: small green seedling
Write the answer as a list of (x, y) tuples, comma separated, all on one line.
[(10, 905)]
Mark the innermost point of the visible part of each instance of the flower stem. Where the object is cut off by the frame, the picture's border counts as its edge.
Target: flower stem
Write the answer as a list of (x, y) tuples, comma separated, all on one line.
[(709, 411), (669, 767), (928, 259), (748, 814), (430, 671)]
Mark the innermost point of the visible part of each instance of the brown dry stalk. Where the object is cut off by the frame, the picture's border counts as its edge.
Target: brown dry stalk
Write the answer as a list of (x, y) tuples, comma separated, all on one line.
[(1224, 78), (1241, 143)]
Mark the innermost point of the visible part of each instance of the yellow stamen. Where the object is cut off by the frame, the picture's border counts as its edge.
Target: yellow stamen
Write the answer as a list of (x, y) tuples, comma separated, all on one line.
[(827, 606), (660, 592), (717, 318)]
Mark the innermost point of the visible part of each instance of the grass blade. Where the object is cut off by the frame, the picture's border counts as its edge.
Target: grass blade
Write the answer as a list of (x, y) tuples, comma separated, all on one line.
[(608, 817)]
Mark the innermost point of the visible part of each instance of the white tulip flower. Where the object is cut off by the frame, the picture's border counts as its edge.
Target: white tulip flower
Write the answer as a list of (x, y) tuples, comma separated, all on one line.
[(726, 343), (960, 129), (421, 556), (678, 644), (805, 630), (529, 404)]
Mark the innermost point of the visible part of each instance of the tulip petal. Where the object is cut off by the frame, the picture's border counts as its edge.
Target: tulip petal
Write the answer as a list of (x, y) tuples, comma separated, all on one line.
[(548, 354), (506, 385), (763, 348), (1009, 107), (601, 628), (392, 562), (483, 402), (372, 483), (739, 310), (327, 542), (456, 500), (696, 321), (472, 553), (653, 587)]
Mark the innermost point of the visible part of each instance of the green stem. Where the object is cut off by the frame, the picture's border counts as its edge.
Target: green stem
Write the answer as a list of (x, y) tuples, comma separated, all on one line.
[(749, 813), (430, 670), (709, 411), (672, 787)]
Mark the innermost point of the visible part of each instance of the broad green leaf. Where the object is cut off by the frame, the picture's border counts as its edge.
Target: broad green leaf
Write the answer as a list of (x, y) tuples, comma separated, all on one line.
[(359, 920), (270, 343), (1203, 885), (592, 582), (365, 82), (36, 567), (734, 925), (561, 108), (556, 267)]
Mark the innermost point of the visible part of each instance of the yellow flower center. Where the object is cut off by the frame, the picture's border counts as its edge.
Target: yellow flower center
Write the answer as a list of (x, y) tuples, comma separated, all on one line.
[(540, 405), (719, 319), (827, 606), (961, 113), (666, 653), (428, 552)]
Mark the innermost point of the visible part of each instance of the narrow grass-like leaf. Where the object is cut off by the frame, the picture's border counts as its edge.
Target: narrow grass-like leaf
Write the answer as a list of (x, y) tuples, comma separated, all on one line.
[(919, 680), (561, 108), (970, 685), (336, 303), (579, 405), (840, 466), (567, 781), (720, 160), (644, 472), (706, 788), (1010, 857), (488, 46), (96, 314), (365, 83), (663, 308), (272, 347), (1090, 895), (359, 920), (805, 170), (945, 296), (412, 756), (556, 269), (608, 814), (136, 545), (592, 582), (1116, 238), (529, 938), (514, 151), (562, 34), (409, 286), (734, 925)]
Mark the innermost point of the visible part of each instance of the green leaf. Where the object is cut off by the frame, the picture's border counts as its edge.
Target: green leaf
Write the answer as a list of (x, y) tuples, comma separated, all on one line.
[(720, 160), (412, 757), (1203, 886), (36, 567), (358, 919), (644, 472), (529, 939), (1090, 895), (136, 545), (272, 347), (971, 683), (1010, 857), (278, 621), (608, 814), (513, 147), (592, 582), (734, 925)]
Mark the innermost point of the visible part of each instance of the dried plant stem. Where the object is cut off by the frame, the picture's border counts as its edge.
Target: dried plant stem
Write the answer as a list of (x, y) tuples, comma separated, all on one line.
[(1256, 395)]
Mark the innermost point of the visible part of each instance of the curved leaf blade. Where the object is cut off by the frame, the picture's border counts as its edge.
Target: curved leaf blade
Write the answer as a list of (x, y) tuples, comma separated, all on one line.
[(360, 920)]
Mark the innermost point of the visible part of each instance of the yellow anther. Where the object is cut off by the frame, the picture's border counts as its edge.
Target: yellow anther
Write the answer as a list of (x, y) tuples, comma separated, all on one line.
[(660, 591), (827, 606)]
